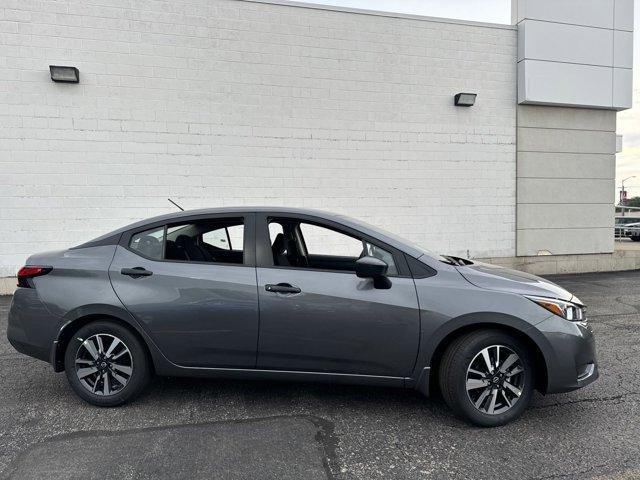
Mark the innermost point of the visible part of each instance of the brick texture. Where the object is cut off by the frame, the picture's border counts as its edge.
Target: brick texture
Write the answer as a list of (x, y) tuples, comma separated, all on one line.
[(226, 102)]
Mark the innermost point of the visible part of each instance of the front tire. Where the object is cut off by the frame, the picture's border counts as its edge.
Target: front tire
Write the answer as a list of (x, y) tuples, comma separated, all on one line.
[(106, 364), (486, 377)]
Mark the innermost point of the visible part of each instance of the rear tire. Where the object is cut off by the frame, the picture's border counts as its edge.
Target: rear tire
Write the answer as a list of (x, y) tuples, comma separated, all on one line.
[(478, 391), (635, 239), (106, 364)]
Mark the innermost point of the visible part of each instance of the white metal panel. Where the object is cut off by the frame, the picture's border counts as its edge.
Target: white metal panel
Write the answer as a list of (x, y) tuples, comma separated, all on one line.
[(564, 84), (590, 13), (622, 88), (565, 43), (623, 49), (624, 15), (515, 18), (568, 46)]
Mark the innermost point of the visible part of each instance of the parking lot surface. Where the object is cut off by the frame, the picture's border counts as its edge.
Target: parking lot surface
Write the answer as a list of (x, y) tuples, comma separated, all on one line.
[(194, 428)]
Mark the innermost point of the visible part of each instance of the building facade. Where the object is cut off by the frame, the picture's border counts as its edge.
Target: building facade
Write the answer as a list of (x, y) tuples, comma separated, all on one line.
[(232, 102)]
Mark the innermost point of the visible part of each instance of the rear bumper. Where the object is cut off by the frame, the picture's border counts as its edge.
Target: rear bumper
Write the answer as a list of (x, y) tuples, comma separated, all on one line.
[(571, 362), (31, 328)]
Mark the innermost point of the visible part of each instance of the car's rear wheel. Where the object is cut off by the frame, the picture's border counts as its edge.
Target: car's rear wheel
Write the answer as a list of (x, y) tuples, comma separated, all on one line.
[(106, 364), (635, 238), (486, 377)]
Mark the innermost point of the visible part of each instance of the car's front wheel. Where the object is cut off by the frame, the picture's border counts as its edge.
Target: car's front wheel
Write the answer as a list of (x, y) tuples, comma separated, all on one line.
[(106, 364), (486, 377)]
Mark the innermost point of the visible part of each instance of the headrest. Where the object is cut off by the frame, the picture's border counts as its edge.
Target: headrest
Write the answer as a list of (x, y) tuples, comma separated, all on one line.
[(280, 243)]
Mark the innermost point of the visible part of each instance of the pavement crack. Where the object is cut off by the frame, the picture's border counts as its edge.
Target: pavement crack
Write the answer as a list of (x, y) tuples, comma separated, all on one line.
[(573, 474), (585, 400)]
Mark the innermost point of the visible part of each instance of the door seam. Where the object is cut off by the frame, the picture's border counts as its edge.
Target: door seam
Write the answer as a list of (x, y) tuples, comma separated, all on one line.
[(255, 269), (255, 363)]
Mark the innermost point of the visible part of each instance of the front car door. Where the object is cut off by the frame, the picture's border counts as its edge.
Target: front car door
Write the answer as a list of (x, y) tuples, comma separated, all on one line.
[(316, 315), (195, 293)]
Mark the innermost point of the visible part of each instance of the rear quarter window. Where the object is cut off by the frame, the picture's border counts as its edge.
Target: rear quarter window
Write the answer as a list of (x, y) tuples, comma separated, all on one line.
[(148, 243)]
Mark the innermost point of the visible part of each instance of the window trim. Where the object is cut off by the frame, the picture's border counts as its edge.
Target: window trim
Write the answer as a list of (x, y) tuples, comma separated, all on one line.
[(249, 250), (264, 254)]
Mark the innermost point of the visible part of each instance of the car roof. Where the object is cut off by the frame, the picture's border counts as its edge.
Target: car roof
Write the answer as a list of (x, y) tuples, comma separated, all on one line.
[(344, 220)]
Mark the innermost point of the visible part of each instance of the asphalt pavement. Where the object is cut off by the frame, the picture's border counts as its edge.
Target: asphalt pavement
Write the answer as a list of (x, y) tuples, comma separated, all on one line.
[(196, 429)]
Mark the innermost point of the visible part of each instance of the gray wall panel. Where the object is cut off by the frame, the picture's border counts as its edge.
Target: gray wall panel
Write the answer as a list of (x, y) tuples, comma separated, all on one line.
[(565, 165), (567, 141), (565, 180), (567, 118), (559, 191), (565, 241), (567, 216)]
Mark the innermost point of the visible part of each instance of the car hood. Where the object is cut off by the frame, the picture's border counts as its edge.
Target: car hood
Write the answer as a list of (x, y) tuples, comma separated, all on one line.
[(493, 277)]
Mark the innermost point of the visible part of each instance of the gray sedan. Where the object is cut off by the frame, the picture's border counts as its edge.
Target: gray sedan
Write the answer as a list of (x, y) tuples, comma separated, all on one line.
[(301, 295)]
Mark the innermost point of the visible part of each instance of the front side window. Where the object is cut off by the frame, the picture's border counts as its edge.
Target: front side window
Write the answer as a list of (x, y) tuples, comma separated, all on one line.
[(323, 241), (148, 243), (300, 244)]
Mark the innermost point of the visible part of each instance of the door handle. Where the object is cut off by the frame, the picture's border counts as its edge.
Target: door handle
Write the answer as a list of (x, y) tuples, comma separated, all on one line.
[(136, 272), (282, 288)]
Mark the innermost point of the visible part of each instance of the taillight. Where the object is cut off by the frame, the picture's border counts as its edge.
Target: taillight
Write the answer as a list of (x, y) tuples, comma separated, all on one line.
[(30, 271)]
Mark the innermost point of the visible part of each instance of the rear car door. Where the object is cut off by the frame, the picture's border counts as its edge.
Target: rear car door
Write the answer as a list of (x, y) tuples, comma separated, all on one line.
[(191, 285), (316, 315)]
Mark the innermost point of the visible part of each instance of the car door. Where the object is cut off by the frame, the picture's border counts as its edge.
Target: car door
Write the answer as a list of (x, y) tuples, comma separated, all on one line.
[(199, 307), (316, 315)]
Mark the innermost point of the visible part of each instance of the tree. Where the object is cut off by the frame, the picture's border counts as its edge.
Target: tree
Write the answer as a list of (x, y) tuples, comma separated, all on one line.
[(633, 202)]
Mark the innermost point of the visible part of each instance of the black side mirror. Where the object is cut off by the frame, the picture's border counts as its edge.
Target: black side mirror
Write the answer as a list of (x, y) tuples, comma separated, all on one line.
[(371, 267)]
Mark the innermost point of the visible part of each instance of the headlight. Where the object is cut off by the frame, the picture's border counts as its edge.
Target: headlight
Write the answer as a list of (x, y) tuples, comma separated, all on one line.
[(567, 310)]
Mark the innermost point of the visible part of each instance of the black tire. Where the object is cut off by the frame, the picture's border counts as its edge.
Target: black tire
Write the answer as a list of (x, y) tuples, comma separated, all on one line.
[(136, 357), (453, 373), (635, 238)]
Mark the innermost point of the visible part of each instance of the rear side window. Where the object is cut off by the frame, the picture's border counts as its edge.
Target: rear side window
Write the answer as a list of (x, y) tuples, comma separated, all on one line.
[(225, 238), (148, 243), (206, 241)]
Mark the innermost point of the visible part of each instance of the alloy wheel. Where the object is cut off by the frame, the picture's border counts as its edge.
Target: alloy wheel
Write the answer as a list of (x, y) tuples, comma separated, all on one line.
[(104, 364), (495, 379)]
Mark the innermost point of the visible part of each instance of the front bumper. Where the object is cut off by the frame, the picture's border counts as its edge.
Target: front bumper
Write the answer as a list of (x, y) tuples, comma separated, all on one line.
[(571, 359)]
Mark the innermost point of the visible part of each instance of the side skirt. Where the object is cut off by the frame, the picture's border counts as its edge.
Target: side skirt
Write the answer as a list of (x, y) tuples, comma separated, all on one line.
[(283, 375)]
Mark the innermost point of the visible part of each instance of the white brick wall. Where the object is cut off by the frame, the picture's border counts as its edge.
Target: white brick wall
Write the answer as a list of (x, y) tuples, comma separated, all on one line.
[(226, 102)]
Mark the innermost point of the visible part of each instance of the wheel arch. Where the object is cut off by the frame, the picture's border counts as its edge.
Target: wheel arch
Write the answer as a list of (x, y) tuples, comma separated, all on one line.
[(436, 345), (82, 316)]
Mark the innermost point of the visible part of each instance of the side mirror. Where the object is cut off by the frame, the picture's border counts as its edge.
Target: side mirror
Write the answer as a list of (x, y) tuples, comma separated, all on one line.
[(371, 267)]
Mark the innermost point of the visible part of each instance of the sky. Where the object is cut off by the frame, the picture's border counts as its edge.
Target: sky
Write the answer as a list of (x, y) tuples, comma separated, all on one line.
[(499, 11)]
